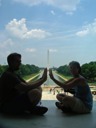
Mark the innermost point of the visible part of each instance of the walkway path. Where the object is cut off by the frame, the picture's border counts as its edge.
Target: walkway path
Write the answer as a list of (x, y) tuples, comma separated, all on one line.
[(32, 77)]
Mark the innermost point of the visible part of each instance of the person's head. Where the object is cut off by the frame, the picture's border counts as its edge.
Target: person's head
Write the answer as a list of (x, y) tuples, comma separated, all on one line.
[(75, 68), (14, 61)]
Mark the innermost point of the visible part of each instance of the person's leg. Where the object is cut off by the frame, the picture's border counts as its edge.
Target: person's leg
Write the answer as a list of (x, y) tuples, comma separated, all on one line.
[(80, 107), (60, 97), (74, 105), (23, 103), (17, 105), (66, 103), (40, 90), (35, 96)]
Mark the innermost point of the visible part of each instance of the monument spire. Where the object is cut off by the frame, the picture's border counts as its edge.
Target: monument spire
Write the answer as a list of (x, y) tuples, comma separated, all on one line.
[(48, 60)]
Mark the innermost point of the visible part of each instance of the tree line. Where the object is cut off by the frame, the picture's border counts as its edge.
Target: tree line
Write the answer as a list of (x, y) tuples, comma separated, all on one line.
[(88, 70), (24, 69)]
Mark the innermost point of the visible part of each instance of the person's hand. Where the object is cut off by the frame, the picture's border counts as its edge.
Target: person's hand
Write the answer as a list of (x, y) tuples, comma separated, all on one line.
[(44, 76), (51, 74)]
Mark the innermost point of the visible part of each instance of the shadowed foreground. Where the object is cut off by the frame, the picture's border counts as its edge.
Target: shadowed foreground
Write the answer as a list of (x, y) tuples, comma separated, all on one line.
[(54, 118)]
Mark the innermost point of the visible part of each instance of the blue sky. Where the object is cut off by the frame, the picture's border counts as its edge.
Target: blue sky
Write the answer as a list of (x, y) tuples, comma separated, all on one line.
[(67, 28)]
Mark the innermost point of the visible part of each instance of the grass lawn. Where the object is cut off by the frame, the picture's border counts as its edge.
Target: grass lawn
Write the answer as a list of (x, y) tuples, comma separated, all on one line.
[(29, 76)]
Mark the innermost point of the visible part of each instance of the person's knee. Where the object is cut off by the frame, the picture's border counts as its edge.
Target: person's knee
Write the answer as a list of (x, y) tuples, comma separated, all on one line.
[(34, 92), (39, 89), (60, 97), (57, 96), (34, 95)]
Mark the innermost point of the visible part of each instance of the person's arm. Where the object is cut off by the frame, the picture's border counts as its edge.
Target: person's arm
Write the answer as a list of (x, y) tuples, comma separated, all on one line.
[(67, 85), (24, 86), (69, 80)]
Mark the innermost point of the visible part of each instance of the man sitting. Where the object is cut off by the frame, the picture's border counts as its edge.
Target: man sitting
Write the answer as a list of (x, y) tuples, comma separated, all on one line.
[(16, 95)]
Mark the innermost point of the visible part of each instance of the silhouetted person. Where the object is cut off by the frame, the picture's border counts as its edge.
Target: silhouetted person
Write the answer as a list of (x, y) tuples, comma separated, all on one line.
[(16, 95), (82, 101)]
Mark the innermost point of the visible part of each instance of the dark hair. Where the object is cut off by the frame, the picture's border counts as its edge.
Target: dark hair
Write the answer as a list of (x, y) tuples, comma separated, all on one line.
[(75, 63), (11, 57)]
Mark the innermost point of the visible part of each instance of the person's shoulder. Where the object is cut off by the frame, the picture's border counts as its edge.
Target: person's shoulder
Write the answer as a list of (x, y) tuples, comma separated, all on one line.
[(7, 73), (82, 80)]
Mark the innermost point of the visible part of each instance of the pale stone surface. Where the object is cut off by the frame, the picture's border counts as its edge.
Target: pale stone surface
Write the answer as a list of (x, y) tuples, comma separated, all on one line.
[(48, 96)]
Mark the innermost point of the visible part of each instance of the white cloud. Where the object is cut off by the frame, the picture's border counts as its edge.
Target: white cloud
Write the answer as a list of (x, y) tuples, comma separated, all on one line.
[(30, 50), (36, 33), (82, 33), (88, 29), (29, 2), (92, 26), (20, 30), (52, 12), (6, 43), (65, 5), (5, 49)]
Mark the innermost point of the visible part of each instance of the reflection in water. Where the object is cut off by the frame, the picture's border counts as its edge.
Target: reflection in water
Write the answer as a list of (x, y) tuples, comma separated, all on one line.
[(51, 82)]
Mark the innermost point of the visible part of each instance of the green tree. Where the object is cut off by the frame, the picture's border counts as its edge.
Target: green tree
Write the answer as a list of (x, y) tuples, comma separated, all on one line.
[(89, 71), (63, 70)]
